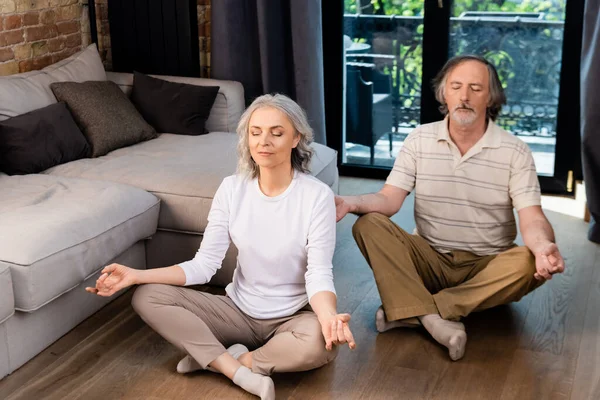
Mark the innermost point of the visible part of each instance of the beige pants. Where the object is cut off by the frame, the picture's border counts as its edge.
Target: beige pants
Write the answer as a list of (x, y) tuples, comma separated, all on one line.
[(414, 279), (203, 325)]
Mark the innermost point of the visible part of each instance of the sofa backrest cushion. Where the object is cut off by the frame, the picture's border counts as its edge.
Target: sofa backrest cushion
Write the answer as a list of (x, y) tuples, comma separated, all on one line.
[(105, 115), (40, 139), (225, 113), (30, 91)]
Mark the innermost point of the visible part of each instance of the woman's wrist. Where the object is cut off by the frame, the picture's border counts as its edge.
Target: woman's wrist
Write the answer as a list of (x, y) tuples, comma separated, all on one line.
[(326, 316), (138, 276)]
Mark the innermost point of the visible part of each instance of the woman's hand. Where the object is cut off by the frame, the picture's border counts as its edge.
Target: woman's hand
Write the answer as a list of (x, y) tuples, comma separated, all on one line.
[(336, 331), (114, 278)]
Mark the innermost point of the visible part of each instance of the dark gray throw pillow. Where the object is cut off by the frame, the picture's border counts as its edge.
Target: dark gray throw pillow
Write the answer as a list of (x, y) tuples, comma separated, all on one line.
[(40, 139), (105, 115), (172, 107)]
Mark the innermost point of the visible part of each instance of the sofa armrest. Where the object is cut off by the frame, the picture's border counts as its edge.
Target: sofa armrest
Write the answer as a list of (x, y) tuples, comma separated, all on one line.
[(225, 113)]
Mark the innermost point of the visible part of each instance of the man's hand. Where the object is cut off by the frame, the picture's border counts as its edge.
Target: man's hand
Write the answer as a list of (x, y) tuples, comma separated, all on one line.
[(342, 207), (336, 331), (548, 262)]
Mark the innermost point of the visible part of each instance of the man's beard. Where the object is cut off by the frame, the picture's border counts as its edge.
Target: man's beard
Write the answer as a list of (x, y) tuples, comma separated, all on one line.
[(463, 114)]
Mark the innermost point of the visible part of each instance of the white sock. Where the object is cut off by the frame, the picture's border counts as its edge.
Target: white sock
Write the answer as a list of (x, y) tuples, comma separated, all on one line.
[(383, 324), (188, 364), (448, 333), (257, 384)]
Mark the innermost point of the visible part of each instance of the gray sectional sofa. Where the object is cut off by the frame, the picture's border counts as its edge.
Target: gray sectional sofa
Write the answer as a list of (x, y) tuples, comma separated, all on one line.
[(144, 205)]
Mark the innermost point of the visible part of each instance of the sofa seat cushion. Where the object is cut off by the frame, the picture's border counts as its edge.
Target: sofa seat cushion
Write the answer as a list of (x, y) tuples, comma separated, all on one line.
[(184, 172), (7, 299), (55, 232)]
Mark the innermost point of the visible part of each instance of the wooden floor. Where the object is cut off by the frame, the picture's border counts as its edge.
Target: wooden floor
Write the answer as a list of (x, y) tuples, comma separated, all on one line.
[(547, 346)]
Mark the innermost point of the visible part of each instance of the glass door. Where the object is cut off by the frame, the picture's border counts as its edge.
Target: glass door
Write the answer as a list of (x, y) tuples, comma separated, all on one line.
[(393, 48), (383, 57), (525, 39)]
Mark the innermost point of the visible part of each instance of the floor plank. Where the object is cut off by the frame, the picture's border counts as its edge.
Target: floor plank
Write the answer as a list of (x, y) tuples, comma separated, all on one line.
[(538, 375), (586, 384), (546, 362)]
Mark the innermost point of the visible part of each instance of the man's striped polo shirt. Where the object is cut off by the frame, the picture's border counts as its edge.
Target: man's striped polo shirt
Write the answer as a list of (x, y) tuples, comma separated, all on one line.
[(466, 202)]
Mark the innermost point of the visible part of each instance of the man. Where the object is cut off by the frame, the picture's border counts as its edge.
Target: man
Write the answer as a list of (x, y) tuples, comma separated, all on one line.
[(468, 174)]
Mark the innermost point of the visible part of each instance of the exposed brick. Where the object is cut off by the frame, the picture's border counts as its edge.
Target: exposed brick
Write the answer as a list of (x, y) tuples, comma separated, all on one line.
[(26, 5), (7, 6), (57, 44), (39, 48), (9, 68), (68, 12), (57, 3), (67, 27), (48, 17), (102, 10), (13, 22), (41, 32), (42, 62), (31, 18), (73, 40), (85, 23), (23, 51), (11, 37), (56, 57), (25, 66), (6, 55)]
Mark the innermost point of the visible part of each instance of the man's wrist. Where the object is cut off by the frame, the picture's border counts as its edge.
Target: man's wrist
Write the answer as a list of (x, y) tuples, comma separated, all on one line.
[(353, 203), (539, 246)]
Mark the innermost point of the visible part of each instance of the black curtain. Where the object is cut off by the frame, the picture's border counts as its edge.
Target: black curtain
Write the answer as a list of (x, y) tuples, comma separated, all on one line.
[(590, 112), (272, 46)]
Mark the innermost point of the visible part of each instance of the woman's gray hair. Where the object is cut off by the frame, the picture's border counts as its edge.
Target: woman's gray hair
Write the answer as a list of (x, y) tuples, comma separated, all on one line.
[(301, 154), (497, 96)]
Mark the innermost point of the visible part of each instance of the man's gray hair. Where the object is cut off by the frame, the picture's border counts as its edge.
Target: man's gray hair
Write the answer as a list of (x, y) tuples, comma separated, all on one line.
[(301, 154), (497, 96)]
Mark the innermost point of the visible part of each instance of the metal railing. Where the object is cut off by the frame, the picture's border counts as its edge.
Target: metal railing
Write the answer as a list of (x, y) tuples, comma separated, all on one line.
[(525, 49)]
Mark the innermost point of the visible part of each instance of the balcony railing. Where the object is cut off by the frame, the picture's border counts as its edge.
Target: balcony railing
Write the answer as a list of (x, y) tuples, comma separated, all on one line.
[(525, 49)]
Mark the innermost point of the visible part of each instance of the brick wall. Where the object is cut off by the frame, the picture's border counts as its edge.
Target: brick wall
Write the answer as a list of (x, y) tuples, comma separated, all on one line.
[(37, 33), (204, 36), (103, 28)]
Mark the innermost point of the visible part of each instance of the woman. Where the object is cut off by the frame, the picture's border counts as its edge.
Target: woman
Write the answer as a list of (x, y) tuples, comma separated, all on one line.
[(281, 301)]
